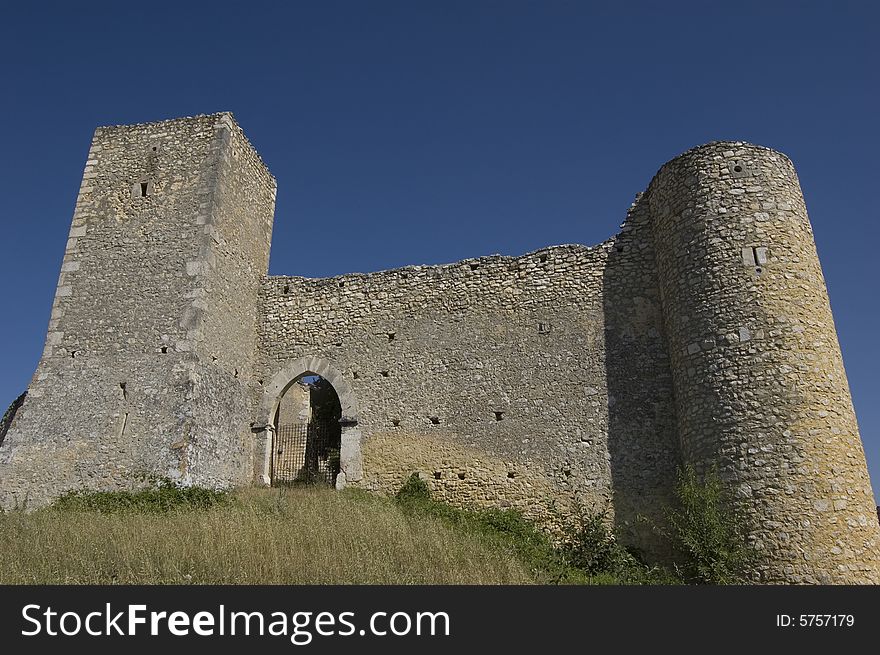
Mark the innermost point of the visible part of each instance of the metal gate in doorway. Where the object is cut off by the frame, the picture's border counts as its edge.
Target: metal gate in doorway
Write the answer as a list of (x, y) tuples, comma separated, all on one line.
[(305, 453)]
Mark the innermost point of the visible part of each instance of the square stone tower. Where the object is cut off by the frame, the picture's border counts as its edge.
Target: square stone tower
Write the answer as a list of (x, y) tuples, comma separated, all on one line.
[(148, 368)]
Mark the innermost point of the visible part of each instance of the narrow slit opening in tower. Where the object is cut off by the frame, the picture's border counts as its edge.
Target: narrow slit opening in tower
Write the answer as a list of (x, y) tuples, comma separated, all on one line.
[(144, 186), (308, 434)]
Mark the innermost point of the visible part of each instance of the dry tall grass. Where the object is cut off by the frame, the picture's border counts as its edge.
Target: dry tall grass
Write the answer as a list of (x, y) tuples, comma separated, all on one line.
[(302, 536)]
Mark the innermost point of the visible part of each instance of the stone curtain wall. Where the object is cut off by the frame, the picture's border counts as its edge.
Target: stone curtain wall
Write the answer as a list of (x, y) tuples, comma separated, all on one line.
[(125, 387), (759, 379), (488, 376)]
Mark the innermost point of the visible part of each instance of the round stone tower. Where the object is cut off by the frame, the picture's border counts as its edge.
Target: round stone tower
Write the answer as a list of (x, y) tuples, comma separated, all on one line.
[(759, 383)]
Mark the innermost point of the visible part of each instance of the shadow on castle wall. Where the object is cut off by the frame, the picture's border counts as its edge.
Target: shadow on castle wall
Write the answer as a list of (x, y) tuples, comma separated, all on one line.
[(642, 441)]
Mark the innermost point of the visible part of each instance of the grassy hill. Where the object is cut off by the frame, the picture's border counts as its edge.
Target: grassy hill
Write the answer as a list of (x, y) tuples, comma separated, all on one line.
[(313, 535), (297, 536), (292, 536)]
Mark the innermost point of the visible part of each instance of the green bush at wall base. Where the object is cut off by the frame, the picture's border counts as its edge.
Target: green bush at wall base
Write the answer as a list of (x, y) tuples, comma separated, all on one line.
[(707, 530), (165, 497)]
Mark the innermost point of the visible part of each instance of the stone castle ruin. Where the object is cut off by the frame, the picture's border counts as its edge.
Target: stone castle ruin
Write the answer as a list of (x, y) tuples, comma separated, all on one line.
[(700, 334)]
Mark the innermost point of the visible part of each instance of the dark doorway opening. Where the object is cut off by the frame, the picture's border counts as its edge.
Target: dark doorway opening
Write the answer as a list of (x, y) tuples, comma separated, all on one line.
[(308, 435)]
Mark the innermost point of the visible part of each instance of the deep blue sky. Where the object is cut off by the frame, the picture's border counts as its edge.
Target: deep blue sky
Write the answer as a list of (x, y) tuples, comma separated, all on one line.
[(427, 132)]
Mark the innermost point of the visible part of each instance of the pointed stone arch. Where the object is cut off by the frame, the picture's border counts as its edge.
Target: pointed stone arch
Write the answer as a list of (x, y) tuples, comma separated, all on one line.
[(350, 460)]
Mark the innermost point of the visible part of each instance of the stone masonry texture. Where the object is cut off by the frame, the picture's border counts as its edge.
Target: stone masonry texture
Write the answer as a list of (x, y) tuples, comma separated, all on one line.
[(570, 377)]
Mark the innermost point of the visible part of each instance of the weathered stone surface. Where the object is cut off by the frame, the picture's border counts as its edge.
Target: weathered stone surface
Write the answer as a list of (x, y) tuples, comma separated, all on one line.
[(148, 365), (772, 409), (569, 376)]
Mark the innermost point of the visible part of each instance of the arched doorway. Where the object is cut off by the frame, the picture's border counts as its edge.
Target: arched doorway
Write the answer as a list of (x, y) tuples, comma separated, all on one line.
[(350, 467), (307, 436)]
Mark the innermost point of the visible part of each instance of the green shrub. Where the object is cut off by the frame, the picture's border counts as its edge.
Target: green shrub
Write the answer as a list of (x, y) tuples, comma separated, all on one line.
[(589, 545), (164, 498), (707, 530), (414, 490)]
